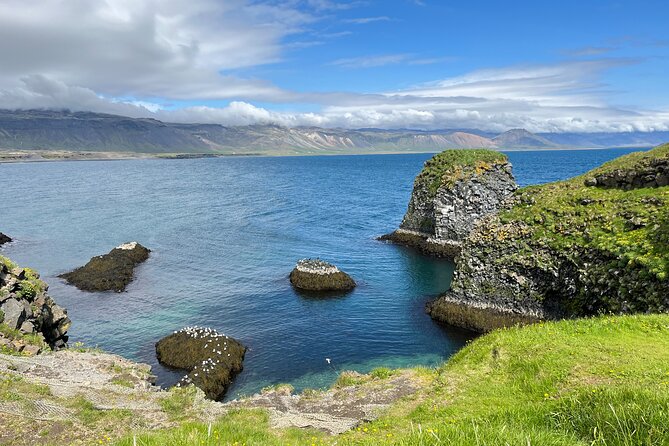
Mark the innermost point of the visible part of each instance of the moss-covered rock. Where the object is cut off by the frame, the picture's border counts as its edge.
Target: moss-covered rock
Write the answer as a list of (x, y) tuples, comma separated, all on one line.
[(318, 275), (30, 319), (211, 359), (109, 272), (566, 249), (455, 189)]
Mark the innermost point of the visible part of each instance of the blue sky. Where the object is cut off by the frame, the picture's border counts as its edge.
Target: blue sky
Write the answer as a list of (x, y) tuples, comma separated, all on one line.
[(558, 66)]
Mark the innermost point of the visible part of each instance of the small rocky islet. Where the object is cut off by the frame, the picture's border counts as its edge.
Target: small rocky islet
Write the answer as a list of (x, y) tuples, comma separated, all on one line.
[(320, 276), (211, 359), (109, 272)]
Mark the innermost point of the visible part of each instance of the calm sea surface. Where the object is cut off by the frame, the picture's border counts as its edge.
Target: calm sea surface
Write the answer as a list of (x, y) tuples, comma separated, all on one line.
[(225, 233)]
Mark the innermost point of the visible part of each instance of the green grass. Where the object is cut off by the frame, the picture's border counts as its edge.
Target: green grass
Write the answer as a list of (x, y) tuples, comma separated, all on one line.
[(632, 225), (601, 381), (178, 402), (452, 165)]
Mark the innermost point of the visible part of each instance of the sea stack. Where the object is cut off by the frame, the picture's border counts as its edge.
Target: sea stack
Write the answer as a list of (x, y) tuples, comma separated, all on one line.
[(109, 272), (455, 190), (319, 275), (211, 359)]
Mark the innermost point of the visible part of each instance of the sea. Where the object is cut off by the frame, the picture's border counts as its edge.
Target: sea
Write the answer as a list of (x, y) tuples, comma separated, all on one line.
[(226, 232)]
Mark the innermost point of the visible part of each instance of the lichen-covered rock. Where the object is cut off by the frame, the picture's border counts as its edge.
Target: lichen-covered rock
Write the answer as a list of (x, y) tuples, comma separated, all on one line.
[(318, 275), (211, 359), (109, 272), (455, 189), (4, 239), (565, 249), (27, 309)]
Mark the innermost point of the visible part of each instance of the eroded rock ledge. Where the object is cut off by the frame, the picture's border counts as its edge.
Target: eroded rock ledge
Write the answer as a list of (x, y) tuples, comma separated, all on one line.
[(455, 189), (566, 249), (109, 272)]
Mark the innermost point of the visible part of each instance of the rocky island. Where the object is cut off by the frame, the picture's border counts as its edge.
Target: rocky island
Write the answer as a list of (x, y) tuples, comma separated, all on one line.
[(109, 272), (594, 244), (211, 359), (318, 275), (455, 190)]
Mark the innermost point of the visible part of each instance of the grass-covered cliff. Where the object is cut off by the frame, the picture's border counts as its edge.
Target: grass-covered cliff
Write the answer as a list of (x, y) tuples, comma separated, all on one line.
[(593, 244)]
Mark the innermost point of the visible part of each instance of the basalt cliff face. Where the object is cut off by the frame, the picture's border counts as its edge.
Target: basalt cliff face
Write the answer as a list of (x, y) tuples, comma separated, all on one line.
[(455, 189), (597, 243)]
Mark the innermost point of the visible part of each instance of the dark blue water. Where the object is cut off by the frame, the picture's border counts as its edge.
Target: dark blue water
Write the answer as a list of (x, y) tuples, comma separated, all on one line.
[(225, 233)]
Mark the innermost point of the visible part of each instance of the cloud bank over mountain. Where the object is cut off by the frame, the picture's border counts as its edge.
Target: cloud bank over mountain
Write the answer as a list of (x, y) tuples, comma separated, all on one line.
[(189, 61)]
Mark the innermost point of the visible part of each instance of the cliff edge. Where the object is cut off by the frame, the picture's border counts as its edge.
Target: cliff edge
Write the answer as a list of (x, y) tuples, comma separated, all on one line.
[(455, 190), (596, 243)]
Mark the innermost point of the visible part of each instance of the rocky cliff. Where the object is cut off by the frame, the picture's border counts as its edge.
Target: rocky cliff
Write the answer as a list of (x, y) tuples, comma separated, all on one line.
[(28, 315), (597, 243), (455, 189)]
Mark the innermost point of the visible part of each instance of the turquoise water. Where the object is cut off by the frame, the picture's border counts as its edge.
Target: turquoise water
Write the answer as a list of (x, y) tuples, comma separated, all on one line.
[(225, 233)]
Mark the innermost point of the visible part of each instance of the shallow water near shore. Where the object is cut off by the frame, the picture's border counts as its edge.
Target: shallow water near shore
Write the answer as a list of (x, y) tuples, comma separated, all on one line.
[(226, 232)]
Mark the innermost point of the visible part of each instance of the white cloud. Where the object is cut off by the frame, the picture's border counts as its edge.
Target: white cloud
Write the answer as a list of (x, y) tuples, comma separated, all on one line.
[(131, 58), (174, 49), (366, 20)]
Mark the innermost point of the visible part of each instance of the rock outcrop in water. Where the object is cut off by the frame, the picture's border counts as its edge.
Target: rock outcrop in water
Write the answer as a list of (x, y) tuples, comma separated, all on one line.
[(455, 190), (109, 272), (594, 244), (28, 312), (211, 359), (318, 275), (4, 239)]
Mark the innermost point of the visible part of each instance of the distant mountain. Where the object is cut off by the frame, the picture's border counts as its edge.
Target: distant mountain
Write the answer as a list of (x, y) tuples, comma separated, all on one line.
[(96, 132), (521, 138)]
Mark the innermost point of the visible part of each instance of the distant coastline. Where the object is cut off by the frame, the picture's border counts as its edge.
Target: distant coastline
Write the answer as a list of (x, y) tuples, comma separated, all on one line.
[(43, 156)]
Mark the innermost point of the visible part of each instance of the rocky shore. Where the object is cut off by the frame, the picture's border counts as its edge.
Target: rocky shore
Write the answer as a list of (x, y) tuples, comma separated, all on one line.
[(109, 272), (31, 320), (597, 243), (455, 190)]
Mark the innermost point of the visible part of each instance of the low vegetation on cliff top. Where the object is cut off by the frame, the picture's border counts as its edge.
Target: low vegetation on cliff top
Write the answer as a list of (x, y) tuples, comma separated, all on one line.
[(450, 165), (601, 381), (632, 225)]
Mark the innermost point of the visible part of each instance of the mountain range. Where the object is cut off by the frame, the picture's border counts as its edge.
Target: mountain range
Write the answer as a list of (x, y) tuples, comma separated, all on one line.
[(38, 130)]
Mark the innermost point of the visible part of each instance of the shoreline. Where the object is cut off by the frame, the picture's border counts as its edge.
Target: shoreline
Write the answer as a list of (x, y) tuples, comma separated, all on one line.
[(46, 156)]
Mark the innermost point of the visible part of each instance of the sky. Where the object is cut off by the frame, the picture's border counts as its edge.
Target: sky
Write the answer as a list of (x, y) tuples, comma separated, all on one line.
[(568, 66)]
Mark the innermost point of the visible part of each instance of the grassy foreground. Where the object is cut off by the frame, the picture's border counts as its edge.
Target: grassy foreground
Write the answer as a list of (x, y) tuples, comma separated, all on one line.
[(601, 381)]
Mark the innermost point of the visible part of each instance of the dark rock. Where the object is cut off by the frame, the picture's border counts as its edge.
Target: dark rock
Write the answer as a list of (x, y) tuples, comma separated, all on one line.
[(211, 359), (318, 275), (109, 272), (4, 239)]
